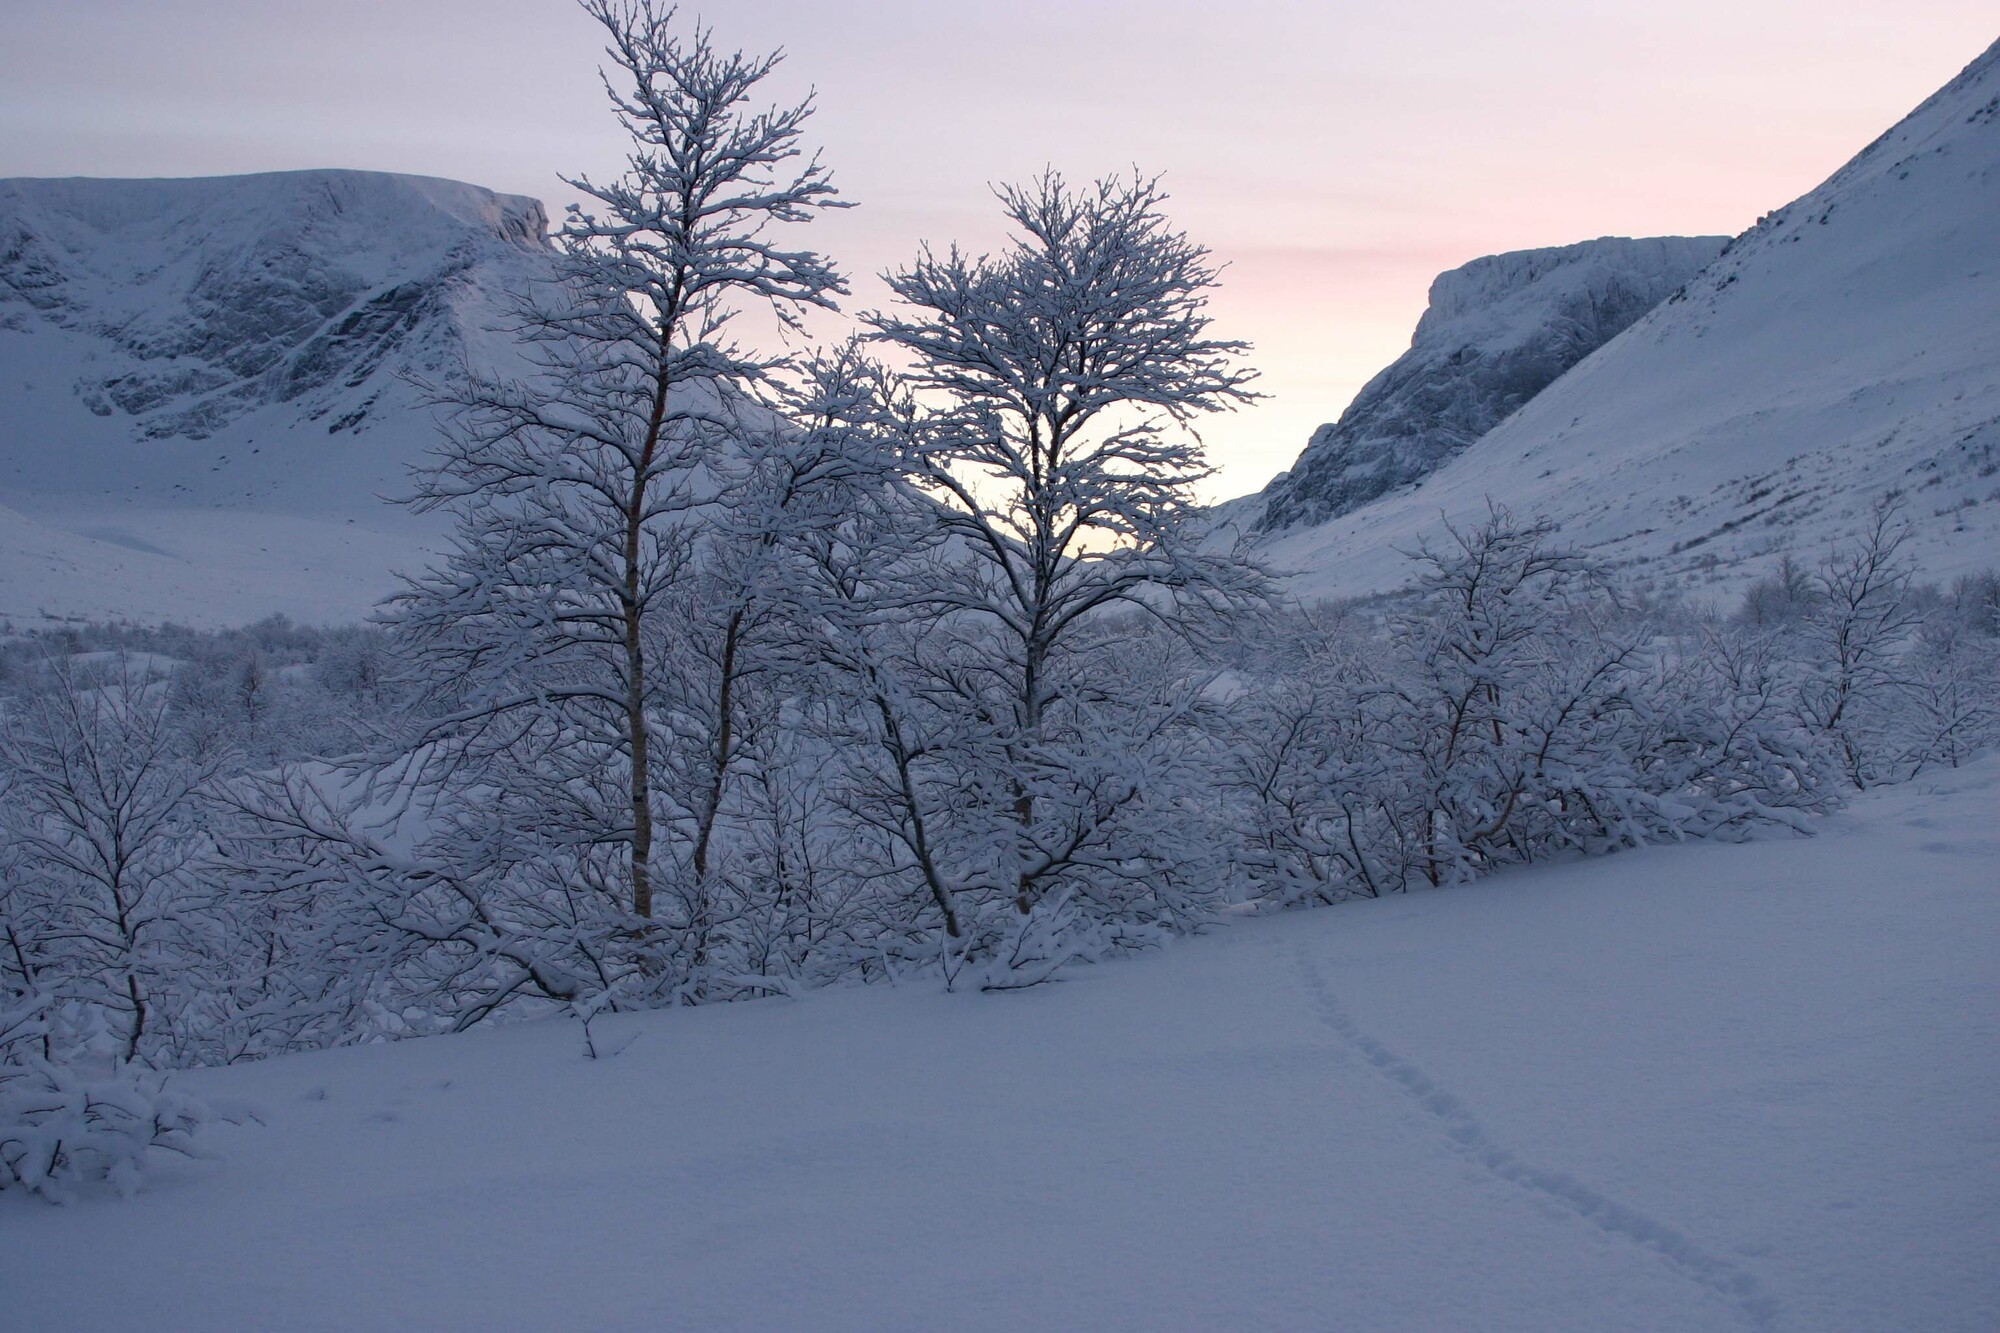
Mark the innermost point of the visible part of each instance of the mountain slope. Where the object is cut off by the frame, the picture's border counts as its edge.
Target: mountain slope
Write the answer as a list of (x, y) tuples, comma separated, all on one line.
[(1681, 1088), (1843, 349), (201, 567), (198, 375), (1497, 332)]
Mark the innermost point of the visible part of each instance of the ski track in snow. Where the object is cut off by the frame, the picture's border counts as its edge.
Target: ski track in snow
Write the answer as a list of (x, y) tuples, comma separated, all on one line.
[(1451, 1115)]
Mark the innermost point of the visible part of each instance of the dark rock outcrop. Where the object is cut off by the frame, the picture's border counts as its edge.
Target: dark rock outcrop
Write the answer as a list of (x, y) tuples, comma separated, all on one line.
[(1499, 330), (205, 299)]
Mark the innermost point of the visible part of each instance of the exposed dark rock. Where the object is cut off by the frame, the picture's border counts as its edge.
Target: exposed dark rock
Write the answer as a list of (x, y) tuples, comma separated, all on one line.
[(1498, 331), (214, 297)]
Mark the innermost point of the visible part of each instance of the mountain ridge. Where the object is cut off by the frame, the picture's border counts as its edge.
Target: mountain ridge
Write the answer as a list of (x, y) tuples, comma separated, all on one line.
[(206, 384), (1497, 331), (1839, 354), (191, 304)]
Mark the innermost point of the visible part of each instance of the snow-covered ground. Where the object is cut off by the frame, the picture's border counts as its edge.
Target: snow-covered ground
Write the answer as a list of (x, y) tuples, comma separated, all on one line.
[(1695, 1087), (212, 568)]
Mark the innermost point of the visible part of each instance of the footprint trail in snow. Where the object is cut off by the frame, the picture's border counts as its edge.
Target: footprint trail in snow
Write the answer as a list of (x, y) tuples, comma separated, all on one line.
[(1456, 1121)]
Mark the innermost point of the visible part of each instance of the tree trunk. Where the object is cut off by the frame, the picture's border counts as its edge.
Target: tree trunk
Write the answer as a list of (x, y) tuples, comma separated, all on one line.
[(725, 740), (1024, 800), (635, 727)]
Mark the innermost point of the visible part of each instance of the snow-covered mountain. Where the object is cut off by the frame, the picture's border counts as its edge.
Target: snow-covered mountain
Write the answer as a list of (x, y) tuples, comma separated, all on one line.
[(1847, 347), (1498, 331), (202, 398)]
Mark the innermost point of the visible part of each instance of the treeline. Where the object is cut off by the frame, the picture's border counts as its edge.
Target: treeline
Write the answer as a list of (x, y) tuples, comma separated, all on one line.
[(1522, 707), (184, 881), (253, 696), (167, 901)]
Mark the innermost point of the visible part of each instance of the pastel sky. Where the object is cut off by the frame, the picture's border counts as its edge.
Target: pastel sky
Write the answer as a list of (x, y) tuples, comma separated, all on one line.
[(1335, 156)]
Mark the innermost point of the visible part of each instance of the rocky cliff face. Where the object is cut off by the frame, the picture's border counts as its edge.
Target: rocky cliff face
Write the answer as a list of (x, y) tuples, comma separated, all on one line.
[(1841, 353), (203, 383), (1498, 331), (185, 305)]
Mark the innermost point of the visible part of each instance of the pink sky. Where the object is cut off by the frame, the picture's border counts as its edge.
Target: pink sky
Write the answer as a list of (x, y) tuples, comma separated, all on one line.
[(1336, 156)]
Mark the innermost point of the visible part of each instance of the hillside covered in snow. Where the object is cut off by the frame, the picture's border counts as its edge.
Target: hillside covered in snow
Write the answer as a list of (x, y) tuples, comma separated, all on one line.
[(1843, 350), (1681, 1088), (203, 383), (1497, 332)]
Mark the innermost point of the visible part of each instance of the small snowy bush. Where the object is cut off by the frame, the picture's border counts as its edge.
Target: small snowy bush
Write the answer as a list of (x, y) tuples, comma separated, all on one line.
[(60, 1128)]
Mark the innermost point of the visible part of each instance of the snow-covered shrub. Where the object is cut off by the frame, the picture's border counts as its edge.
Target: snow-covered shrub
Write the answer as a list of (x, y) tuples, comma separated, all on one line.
[(1028, 949), (1514, 708), (1313, 787), (1853, 645), (1889, 676), (61, 1128), (1505, 703), (1783, 597), (1722, 744), (100, 902), (1952, 695)]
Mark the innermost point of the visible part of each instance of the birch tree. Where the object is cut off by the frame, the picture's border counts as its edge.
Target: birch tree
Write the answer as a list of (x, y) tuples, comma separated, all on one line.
[(98, 907), (1855, 639), (1059, 384), (574, 487)]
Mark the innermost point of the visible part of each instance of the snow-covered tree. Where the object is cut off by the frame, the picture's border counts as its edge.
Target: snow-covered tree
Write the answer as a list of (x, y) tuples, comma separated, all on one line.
[(100, 912), (1510, 709), (1952, 677), (1782, 597), (1854, 639), (1504, 665), (1056, 386), (1719, 748), (1317, 788), (575, 488), (864, 571)]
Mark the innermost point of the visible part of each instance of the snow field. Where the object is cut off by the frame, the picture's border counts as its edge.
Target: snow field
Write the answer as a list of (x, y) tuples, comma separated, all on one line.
[(1692, 1087)]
